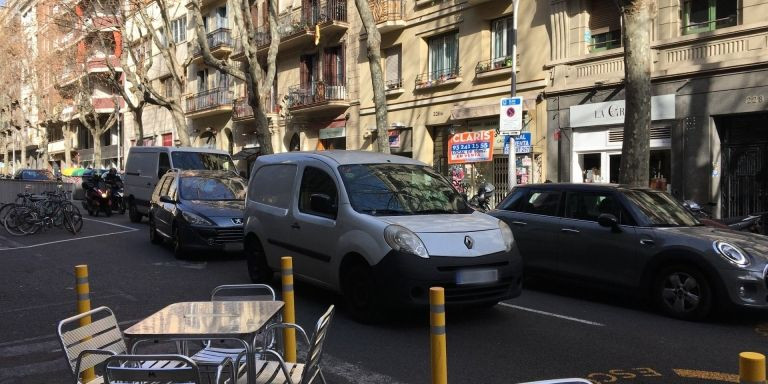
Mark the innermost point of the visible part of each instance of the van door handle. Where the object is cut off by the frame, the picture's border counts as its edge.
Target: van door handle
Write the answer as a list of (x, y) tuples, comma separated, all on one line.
[(646, 242), (519, 223), (295, 226), (569, 230)]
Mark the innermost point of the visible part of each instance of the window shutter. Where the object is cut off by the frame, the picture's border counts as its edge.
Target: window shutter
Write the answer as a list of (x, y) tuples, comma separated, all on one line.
[(342, 66), (304, 72), (392, 64), (604, 17)]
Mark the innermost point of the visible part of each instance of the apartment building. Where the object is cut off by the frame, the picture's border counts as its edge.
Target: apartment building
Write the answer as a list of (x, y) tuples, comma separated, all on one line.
[(710, 103)]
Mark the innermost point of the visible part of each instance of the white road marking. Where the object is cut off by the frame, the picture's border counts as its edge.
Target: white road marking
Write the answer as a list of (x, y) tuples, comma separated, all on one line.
[(68, 240), (552, 314), (113, 224)]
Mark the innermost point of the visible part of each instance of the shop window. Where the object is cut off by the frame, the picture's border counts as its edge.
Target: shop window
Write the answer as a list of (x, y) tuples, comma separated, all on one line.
[(604, 26), (659, 168), (590, 164), (708, 15)]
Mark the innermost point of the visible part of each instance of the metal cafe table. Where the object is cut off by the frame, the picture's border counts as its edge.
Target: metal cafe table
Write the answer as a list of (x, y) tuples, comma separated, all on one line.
[(209, 320)]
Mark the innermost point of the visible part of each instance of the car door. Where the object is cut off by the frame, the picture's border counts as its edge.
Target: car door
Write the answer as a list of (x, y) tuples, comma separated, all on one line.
[(163, 212), (594, 251), (315, 231), (533, 217)]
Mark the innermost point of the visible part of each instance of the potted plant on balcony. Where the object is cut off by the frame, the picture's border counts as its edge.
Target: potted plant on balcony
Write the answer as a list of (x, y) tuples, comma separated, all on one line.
[(508, 62)]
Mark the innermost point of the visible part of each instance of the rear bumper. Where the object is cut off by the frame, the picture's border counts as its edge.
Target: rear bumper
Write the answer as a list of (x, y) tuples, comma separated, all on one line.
[(405, 279)]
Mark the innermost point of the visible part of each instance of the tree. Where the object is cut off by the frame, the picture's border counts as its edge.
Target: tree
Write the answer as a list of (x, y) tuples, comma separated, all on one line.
[(258, 80), (635, 150), (377, 75)]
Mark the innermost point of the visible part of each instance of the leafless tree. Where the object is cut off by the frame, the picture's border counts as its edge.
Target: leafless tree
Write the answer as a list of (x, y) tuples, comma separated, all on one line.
[(377, 75)]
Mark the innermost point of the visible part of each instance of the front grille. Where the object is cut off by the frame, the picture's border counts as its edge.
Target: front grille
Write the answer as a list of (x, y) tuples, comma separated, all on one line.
[(471, 293), (451, 268), (233, 235)]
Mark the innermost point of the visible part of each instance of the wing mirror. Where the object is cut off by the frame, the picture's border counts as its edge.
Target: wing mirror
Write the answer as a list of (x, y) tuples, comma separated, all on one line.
[(609, 221), (322, 203)]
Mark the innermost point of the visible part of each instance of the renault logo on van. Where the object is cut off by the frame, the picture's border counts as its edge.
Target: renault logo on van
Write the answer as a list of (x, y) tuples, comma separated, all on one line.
[(468, 242)]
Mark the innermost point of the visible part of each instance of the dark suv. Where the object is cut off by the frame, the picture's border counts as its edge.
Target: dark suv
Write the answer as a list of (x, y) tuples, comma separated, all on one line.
[(638, 238)]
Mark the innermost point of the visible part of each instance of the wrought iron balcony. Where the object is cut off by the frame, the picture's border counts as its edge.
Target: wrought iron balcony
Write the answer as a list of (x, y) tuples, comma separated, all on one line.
[(388, 14), (217, 40), (317, 93), (212, 99), (492, 64), (243, 111), (439, 77)]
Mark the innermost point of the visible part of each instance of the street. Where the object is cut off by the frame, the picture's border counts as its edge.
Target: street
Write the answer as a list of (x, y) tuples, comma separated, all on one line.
[(551, 331)]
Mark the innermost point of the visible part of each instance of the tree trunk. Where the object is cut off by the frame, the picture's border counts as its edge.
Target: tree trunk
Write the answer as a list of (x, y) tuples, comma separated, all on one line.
[(23, 144), (182, 134), (67, 145), (96, 135), (138, 126), (635, 150), (377, 75)]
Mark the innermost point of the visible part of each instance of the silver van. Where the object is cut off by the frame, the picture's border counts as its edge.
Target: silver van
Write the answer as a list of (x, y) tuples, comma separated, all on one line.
[(380, 229), (146, 165)]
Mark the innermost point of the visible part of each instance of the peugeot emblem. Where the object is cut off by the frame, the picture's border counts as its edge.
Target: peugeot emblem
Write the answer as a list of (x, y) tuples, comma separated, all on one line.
[(468, 242), (237, 220)]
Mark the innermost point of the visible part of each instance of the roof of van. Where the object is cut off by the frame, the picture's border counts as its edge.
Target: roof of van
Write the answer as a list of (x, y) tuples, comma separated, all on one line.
[(341, 157), (176, 149)]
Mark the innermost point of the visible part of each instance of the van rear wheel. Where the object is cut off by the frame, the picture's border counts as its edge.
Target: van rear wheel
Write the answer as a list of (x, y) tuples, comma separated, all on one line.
[(133, 213), (359, 290)]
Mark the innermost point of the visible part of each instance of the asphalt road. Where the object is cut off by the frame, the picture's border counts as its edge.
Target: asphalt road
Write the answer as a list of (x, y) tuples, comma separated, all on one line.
[(550, 331)]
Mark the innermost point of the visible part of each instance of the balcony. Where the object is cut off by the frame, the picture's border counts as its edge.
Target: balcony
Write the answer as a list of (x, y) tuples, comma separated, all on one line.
[(715, 51), (317, 96), (242, 111), (97, 64), (210, 102), (70, 74), (219, 42), (437, 79), (388, 14), (102, 22), (394, 87), (68, 40), (495, 67), (329, 17)]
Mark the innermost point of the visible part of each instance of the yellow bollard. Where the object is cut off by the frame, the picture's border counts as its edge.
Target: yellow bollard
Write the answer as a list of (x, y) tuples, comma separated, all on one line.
[(289, 311), (751, 368), (438, 355), (83, 305)]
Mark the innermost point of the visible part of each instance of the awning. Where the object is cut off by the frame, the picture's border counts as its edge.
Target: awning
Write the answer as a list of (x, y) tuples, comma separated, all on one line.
[(247, 153)]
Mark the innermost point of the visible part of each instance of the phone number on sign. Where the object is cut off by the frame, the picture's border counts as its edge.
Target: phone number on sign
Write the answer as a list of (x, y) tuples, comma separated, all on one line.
[(470, 146)]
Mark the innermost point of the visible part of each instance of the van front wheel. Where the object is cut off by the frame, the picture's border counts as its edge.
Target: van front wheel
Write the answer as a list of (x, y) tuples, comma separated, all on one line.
[(258, 269), (359, 291)]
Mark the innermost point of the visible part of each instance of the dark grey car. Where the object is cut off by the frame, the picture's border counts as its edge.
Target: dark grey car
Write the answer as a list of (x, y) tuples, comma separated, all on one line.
[(637, 238)]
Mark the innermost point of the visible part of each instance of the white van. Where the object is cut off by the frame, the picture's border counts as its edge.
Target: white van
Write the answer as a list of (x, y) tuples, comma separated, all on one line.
[(146, 165), (380, 229)]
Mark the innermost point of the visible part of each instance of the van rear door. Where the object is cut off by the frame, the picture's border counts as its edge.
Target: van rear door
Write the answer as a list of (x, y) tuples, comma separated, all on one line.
[(141, 178)]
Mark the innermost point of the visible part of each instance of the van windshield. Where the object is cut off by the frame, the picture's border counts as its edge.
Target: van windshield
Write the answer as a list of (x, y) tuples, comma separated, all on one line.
[(400, 189), (202, 161)]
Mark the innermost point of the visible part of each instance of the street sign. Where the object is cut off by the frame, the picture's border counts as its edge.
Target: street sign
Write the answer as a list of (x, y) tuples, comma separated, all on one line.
[(522, 143), (511, 115)]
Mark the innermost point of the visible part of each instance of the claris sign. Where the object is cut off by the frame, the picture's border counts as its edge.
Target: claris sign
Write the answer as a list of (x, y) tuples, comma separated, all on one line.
[(470, 147)]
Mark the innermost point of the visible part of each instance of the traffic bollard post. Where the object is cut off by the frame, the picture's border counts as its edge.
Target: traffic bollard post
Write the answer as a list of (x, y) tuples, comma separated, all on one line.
[(751, 368), (438, 355), (83, 292), (289, 311)]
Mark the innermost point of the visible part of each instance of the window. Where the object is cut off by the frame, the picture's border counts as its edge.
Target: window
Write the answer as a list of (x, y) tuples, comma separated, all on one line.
[(333, 66), (590, 205), (604, 26), (202, 80), (443, 55), (179, 29), (161, 36), (307, 70), (164, 165), (167, 86), (538, 202), (167, 139), (708, 15), (270, 183), (221, 17), (393, 71), (502, 39), (316, 182)]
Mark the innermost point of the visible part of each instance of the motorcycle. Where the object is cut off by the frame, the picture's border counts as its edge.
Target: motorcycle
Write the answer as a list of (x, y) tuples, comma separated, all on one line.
[(749, 223), (481, 200), (116, 193), (97, 198)]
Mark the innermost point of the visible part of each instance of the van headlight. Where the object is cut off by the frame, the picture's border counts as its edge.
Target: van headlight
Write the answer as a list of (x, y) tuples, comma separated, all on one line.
[(506, 235), (195, 219), (404, 240), (732, 253)]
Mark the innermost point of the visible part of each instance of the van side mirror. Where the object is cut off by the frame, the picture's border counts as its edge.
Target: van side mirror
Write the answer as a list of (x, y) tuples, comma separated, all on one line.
[(323, 204), (608, 220)]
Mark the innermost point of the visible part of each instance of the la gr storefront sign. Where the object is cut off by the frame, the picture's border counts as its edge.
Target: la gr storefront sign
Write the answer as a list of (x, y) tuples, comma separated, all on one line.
[(612, 112)]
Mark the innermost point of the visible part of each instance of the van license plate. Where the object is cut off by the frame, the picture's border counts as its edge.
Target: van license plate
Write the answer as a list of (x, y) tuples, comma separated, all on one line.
[(476, 276)]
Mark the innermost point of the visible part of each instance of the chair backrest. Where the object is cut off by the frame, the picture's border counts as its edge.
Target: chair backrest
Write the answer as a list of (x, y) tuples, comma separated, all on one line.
[(312, 367), (136, 369), (103, 333), (239, 292)]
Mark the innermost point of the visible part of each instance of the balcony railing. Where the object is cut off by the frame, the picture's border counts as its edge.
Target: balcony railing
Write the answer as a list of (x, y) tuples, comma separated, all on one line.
[(709, 25), (394, 84), (241, 110), (262, 38), (497, 63), (434, 78), (292, 25), (209, 99), (219, 38), (314, 93), (387, 10)]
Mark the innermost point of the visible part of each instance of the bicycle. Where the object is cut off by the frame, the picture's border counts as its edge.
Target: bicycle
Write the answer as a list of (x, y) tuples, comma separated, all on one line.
[(54, 210)]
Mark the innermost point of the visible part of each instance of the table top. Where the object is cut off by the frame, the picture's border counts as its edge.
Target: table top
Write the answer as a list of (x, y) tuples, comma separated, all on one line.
[(201, 319)]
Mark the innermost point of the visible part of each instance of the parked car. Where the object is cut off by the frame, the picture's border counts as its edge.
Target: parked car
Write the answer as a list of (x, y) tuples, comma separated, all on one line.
[(198, 210), (638, 238), (146, 165), (380, 229), (34, 175)]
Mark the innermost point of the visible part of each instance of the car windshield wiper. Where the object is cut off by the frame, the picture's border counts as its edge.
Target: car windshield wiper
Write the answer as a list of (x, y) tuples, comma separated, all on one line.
[(435, 211), (665, 225), (385, 212)]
